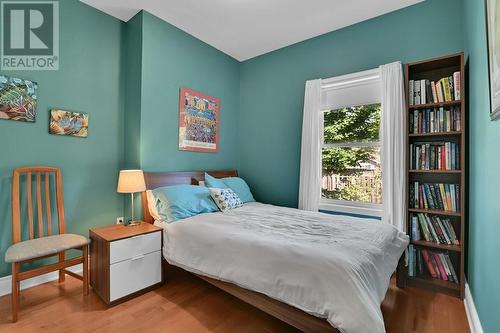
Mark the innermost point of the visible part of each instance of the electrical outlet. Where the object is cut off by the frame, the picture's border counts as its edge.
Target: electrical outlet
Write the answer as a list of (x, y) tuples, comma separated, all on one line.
[(119, 220)]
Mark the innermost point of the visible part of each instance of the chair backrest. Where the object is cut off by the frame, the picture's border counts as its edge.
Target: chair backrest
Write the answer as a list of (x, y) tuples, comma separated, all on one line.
[(38, 175)]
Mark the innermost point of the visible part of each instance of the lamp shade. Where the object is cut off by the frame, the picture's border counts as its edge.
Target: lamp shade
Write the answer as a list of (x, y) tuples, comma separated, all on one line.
[(131, 181)]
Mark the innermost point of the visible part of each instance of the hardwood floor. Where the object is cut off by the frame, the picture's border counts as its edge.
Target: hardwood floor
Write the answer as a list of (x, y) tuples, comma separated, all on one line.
[(188, 304)]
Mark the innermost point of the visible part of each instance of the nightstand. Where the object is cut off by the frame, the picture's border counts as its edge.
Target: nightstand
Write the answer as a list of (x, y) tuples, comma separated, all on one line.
[(125, 261)]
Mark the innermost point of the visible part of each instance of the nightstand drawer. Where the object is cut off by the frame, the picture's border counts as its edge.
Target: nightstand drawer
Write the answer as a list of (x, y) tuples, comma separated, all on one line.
[(131, 275), (128, 248)]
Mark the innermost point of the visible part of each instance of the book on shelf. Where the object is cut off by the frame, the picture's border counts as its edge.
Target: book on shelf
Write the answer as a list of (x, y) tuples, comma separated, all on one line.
[(435, 120), (436, 264), (411, 93), (411, 258), (416, 92), (423, 92), (445, 197), (426, 91), (456, 87), (434, 156), (433, 228)]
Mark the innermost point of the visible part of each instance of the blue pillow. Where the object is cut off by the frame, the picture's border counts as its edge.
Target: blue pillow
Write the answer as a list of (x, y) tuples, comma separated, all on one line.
[(182, 201), (237, 184), (214, 182)]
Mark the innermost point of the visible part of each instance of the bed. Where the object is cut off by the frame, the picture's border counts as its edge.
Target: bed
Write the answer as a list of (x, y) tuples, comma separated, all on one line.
[(317, 272)]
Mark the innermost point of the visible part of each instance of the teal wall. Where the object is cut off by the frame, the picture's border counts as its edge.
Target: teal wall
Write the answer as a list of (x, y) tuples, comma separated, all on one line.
[(172, 59), (89, 80), (272, 85), (484, 177), (132, 59)]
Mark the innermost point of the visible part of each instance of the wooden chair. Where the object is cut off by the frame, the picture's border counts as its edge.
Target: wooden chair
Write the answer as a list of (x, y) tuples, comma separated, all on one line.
[(43, 241)]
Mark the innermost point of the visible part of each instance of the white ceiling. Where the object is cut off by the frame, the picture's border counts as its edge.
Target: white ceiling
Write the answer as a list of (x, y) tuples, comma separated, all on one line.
[(247, 28)]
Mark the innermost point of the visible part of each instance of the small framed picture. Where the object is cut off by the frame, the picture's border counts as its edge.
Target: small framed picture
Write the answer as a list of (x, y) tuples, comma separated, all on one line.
[(18, 99), (69, 123)]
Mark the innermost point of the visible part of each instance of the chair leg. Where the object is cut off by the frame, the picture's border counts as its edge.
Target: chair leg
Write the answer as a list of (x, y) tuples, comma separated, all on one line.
[(85, 270), (15, 290), (62, 276)]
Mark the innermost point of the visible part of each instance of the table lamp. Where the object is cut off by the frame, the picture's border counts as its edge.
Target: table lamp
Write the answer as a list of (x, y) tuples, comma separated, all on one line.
[(131, 181)]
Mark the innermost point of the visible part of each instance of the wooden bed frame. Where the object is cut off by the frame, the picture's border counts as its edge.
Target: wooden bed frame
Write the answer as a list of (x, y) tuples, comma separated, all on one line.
[(292, 316)]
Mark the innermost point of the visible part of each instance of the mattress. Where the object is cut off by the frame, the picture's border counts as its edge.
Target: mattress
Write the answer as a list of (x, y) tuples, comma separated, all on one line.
[(331, 266)]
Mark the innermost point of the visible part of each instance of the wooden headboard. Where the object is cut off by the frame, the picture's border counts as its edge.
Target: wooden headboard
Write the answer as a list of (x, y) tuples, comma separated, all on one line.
[(159, 179)]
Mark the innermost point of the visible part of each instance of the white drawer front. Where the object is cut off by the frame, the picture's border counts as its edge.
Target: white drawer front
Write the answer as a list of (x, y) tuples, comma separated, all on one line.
[(134, 246), (134, 274)]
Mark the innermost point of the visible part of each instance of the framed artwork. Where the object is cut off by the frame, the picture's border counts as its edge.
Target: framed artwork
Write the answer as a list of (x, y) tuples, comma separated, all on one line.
[(198, 121), (17, 99), (69, 123), (493, 37)]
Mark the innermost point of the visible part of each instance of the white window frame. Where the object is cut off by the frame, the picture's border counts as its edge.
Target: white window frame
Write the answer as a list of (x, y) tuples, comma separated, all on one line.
[(345, 82)]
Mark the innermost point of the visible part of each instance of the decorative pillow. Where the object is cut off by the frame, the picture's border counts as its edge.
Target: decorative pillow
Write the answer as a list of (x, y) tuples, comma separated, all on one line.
[(225, 198), (237, 184), (182, 201)]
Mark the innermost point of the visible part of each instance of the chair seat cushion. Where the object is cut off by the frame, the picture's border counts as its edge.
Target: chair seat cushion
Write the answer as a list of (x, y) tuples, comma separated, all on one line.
[(44, 246)]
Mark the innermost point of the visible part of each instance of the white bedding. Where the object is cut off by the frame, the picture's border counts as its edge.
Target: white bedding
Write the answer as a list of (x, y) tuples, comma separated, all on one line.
[(334, 267)]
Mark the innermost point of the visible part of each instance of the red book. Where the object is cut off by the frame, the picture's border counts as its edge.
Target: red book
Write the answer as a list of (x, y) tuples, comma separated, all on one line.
[(423, 199), (443, 158), (435, 265), (442, 271), (428, 262)]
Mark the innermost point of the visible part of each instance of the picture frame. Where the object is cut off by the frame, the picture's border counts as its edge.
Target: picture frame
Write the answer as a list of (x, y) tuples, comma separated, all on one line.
[(492, 12), (18, 99), (69, 123), (198, 121)]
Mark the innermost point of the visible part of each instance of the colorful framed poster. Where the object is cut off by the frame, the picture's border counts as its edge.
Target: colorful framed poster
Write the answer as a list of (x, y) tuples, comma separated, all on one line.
[(69, 123), (198, 121), (18, 99)]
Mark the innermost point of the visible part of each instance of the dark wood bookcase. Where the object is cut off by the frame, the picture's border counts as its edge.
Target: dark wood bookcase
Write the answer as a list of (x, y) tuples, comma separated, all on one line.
[(435, 69)]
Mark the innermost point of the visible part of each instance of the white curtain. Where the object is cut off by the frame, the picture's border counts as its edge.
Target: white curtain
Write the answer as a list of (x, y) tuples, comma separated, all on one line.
[(310, 157), (392, 150)]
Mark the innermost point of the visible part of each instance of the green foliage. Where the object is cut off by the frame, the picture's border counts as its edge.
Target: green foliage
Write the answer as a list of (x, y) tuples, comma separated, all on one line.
[(351, 192), (352, 124), (357, 123), (341, 160)]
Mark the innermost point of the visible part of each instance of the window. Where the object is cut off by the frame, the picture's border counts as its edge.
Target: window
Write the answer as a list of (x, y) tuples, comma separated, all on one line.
[(351, 154), (351, 171)]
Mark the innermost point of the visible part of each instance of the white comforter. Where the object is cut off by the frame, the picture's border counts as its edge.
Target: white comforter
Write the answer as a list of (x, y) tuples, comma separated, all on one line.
[(334, 267)]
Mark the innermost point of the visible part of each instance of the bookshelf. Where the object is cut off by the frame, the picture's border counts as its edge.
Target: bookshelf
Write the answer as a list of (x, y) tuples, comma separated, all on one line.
[(435, 177)]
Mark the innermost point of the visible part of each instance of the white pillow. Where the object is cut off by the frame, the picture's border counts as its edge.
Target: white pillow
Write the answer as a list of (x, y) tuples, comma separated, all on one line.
[(225, 198), (152, 205)]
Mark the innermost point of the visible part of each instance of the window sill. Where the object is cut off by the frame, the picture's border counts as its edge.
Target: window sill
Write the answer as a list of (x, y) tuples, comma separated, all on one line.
[(351, 207)]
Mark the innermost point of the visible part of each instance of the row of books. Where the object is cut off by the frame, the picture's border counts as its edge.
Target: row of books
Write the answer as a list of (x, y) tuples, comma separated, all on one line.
[(436, 264), (435, 196), (434, 156), (435, 120), (433, 228), (425, 91)]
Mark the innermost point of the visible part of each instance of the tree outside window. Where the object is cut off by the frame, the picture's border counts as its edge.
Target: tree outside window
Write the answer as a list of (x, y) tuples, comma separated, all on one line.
[(351, 154)]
